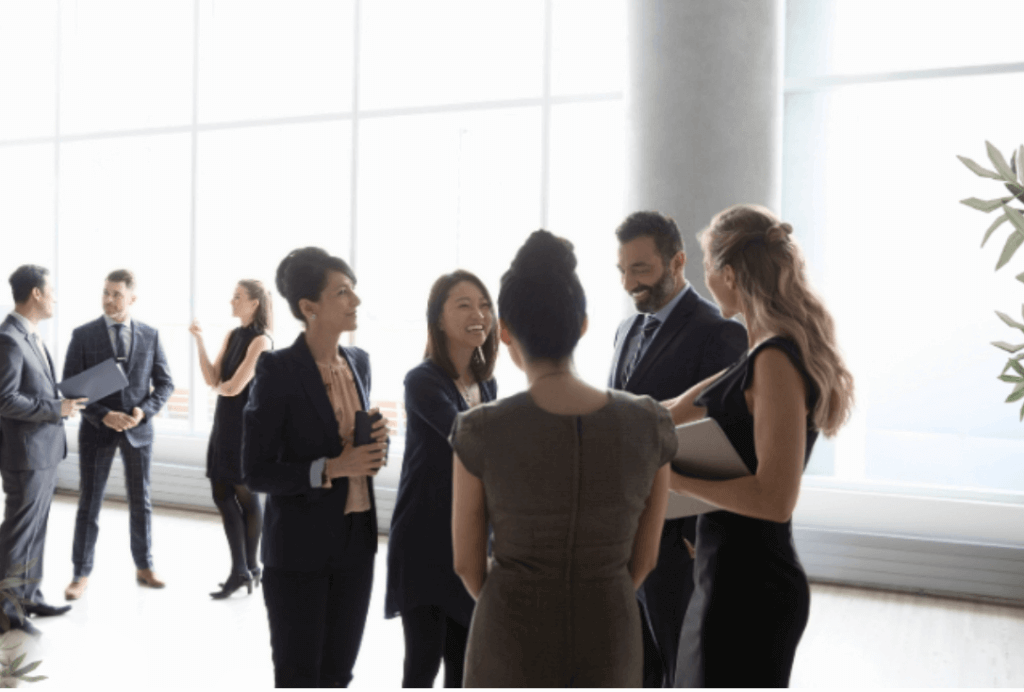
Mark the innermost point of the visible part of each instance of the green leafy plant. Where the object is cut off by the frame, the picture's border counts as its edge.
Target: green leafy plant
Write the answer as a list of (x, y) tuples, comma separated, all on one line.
[(13, 671), (1011, 175)]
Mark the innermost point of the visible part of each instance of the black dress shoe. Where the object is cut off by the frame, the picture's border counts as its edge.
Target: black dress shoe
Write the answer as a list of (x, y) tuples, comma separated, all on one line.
[(45, 609), (27, 627)]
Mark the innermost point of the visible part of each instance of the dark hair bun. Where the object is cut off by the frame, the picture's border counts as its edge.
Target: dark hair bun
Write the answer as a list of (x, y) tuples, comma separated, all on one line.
[(292, 266), (544, 253), (541, 298)]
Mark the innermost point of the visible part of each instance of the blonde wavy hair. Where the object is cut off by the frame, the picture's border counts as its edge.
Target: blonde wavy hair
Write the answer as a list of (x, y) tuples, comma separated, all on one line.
[(778, 299)]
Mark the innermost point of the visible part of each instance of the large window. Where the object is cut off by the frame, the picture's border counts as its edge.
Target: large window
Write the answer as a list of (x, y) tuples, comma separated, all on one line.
[(880, 98), (198, 142)]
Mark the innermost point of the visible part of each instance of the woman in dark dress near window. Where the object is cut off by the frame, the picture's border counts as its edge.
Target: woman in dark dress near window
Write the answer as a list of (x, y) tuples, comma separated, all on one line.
[(751, 597), (422, 586), (230, 375)]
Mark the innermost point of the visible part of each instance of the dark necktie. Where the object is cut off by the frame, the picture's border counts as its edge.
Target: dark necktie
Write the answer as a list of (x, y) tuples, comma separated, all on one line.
[(651, 324), (119, 343)]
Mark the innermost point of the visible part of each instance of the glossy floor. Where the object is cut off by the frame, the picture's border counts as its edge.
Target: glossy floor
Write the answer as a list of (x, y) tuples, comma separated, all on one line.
[(124, 636)]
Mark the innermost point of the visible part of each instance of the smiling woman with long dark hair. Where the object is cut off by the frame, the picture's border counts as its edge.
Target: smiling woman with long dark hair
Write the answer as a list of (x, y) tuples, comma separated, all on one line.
[(455, 375), (320, 534)]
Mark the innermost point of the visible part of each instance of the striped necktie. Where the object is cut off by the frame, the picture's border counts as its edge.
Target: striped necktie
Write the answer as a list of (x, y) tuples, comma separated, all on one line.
[(119, 342), (651, 324)]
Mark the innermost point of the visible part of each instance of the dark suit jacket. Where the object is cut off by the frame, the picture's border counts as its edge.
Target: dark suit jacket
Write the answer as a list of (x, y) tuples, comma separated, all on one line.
[(420, 558), (287, 425), (149, 379), (31, 427), (694, 343)]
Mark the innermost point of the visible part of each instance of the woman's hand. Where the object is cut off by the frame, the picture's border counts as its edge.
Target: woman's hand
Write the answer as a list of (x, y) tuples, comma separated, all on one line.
[(379, 432), (364, 460), (196, 330)]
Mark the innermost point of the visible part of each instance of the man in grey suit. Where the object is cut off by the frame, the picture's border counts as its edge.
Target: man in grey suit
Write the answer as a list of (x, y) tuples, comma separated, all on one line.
[(32, 442), (119, 422)]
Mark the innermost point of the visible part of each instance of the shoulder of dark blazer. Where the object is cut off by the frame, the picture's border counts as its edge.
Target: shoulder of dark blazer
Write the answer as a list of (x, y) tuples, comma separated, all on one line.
[(92, 328), (430, 375), (359, 359)]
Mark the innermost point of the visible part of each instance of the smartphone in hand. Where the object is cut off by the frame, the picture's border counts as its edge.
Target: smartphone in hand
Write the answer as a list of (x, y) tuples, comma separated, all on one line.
[(364, 427)]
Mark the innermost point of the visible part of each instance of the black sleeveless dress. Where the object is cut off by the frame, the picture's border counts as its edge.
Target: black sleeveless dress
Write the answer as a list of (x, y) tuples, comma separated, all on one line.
[(751, 597), (224, 453)]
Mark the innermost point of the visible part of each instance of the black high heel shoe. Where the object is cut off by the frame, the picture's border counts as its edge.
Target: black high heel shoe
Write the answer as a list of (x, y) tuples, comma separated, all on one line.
[(256, 573), (233, 584)]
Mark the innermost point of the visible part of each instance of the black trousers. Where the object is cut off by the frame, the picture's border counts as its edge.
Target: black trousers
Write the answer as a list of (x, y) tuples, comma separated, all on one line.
[(317, 618), (664, 597), (430, 636)]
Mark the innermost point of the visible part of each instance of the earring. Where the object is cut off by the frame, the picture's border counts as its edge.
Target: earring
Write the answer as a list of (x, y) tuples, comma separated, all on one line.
[(312, 317), (479, 354)]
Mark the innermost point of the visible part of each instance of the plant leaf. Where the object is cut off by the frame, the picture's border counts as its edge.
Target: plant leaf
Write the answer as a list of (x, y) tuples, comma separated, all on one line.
[(1020, 163), (1009, 320), (999, 162), (17, 662), (1012, 243), (979, 170), (1022, 414), (985, 205), (1011, 378), (1016, 366), (27, 669), (1016, 190), (34, 678), (1007, 346), (1015, 217), (991, 229), (1017, 395)]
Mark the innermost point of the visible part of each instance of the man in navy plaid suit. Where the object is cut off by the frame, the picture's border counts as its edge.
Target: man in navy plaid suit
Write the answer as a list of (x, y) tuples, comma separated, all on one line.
[(121, 421)]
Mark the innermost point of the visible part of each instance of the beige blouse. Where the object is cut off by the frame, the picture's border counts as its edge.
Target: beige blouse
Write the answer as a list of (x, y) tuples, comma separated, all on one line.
[(344, 397)]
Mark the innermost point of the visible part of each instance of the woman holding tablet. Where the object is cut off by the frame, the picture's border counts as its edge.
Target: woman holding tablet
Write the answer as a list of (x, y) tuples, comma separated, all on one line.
[(751, 598)]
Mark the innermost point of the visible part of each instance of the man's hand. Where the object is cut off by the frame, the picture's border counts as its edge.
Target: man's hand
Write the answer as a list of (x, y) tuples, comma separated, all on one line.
[(137, 415), (118, 421), (69, 408)]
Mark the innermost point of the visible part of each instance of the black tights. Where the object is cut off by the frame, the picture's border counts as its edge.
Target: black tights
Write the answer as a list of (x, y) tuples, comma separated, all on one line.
[(243, 521)]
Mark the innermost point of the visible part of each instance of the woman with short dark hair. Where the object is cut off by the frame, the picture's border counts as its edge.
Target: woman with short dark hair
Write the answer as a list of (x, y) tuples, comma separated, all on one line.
[(574, 482), (320, 533), (230, 374), (455, 375)]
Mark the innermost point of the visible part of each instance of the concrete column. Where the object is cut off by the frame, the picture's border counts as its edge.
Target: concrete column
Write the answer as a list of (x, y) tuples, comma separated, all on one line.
[(704, 110)]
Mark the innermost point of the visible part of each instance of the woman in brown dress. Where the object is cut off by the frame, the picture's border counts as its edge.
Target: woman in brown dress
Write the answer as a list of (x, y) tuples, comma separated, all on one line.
[(574, 482)]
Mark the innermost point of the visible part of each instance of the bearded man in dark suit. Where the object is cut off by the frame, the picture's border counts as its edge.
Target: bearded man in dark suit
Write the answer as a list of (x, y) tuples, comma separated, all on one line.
[(676, 339)]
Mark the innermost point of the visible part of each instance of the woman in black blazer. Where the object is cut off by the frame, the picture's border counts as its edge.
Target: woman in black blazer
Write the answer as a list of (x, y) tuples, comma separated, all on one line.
[(456, 374), (320, 526)]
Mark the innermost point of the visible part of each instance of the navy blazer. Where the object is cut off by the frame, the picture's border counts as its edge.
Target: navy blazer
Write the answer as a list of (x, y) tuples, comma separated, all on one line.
[(149, 379), (287, 425), (31, 428), (420, 556), (694, 343)]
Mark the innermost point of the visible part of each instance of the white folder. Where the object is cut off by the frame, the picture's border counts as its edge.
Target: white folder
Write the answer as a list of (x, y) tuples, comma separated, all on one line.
[(704, 452)]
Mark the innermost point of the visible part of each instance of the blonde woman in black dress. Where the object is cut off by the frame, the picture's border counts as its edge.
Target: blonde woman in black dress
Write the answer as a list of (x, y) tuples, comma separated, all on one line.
[(751, 598), (230, 374)]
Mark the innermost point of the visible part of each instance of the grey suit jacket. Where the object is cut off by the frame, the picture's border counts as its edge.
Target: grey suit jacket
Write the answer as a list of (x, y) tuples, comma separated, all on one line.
[(31, 428), (149, 378)]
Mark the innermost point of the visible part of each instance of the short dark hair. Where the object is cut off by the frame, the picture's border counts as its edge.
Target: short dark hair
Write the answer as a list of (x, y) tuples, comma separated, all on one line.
[(437, 340), (303, 274), (124, 276), (263, 319), (25, 278), (541, 298), (667, 238)]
